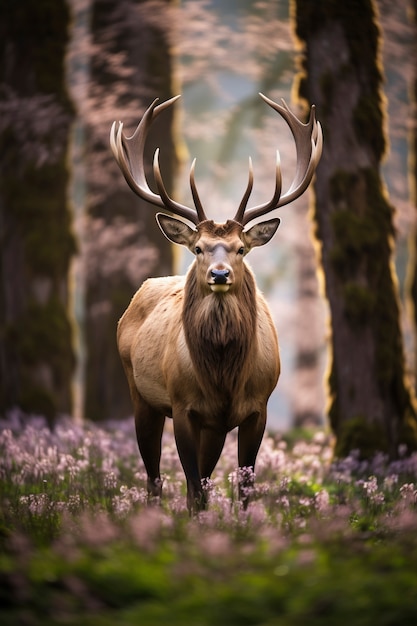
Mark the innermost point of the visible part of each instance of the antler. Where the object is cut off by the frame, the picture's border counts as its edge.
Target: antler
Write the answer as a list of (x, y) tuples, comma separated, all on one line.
[(308, 142), (128, 152)]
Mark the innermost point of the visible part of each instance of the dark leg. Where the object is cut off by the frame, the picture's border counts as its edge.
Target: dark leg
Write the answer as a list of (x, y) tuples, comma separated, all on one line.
[(149, 429), (250, 436), (211, 446), (187, 437)]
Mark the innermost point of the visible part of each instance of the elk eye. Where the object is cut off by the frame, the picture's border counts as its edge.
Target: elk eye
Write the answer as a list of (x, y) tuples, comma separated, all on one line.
[(198, 250), (241, 250)]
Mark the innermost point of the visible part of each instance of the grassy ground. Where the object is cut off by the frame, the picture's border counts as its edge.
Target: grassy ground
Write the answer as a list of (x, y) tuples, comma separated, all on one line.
[(322, 542)]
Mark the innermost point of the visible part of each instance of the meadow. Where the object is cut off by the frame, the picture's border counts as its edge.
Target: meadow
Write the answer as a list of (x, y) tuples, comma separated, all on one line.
[(323, 541)]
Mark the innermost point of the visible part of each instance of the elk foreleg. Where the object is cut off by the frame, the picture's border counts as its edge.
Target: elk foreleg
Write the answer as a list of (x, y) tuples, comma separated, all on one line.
[(149, 429), (211, 446), (187, 438), (250, 436)]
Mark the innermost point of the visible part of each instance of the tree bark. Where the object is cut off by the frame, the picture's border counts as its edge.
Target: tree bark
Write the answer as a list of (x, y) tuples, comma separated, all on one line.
[(131, 64), (36, 356), (413, 182), (370, 403)]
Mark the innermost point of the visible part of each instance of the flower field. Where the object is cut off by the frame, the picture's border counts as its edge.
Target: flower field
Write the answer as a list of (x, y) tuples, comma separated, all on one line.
[(321, 542)]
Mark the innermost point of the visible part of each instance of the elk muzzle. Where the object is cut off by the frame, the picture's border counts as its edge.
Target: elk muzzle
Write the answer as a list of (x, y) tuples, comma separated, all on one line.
[(219, 278)]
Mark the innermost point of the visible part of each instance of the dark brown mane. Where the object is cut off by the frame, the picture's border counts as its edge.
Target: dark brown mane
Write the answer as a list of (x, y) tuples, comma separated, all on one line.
[(220, 331)]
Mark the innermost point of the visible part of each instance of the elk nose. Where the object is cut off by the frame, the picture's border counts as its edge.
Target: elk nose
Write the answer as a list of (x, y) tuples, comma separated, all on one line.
[(220, 276)]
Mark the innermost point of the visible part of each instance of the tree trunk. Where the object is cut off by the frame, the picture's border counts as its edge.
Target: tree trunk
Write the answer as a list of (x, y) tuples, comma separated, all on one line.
[(413, 182), (131, 65), (370, 405), (36, 356)]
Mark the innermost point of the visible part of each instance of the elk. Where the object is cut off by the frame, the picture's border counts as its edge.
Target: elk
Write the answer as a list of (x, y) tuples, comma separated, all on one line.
[(202, 348)]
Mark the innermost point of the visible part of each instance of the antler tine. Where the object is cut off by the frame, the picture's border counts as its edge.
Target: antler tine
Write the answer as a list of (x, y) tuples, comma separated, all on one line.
[(244, 217), (128, 152), (242, 206), (309, 142), (196, 197), (194, 215)]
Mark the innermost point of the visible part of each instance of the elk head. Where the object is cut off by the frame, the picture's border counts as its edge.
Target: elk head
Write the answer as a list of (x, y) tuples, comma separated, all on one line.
[(214, 259)]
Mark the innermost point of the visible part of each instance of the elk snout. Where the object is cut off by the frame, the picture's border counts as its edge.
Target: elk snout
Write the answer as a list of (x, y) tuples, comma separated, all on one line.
[(219, 278)]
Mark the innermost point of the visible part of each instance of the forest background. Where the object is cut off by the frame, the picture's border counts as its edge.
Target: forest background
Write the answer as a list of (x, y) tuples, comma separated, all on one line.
[(76, 243)]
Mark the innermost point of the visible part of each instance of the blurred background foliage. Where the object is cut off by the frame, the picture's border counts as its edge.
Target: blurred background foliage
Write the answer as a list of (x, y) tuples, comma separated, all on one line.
[(76, 243)]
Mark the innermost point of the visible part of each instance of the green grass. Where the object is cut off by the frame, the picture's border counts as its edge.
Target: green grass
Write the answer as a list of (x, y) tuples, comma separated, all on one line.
[(321, 542)]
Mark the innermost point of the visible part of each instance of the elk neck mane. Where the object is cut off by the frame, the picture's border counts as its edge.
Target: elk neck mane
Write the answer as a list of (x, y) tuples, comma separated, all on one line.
[(220, 330)]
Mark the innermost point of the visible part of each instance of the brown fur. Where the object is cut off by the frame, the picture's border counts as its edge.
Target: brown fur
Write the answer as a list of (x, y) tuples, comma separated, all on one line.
[(220, 333), (203, 348), (210, 360)]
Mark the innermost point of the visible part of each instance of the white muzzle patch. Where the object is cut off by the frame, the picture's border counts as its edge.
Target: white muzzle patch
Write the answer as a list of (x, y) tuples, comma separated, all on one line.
[(219, 288)]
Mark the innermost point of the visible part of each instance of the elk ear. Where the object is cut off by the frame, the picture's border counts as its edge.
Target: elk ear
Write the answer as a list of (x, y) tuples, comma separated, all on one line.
[(175, 230), (261, 233)]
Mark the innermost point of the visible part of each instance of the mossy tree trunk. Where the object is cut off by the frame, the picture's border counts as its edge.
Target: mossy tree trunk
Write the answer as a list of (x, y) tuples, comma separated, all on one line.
[(370, 405), (413, 181), (131, 65), (36, 356)]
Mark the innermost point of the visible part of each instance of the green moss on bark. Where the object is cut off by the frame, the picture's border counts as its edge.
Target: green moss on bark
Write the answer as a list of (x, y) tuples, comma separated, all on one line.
[(362, 229), (361, 251), (357, 18), (37, 240), (362, 435), (354, 222), (359, 304), (362, 35), (43, 218), (37, 33), (40, 341)]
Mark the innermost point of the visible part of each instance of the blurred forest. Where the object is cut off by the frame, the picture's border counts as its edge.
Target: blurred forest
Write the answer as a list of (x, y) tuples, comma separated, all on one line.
[(76, 242)]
